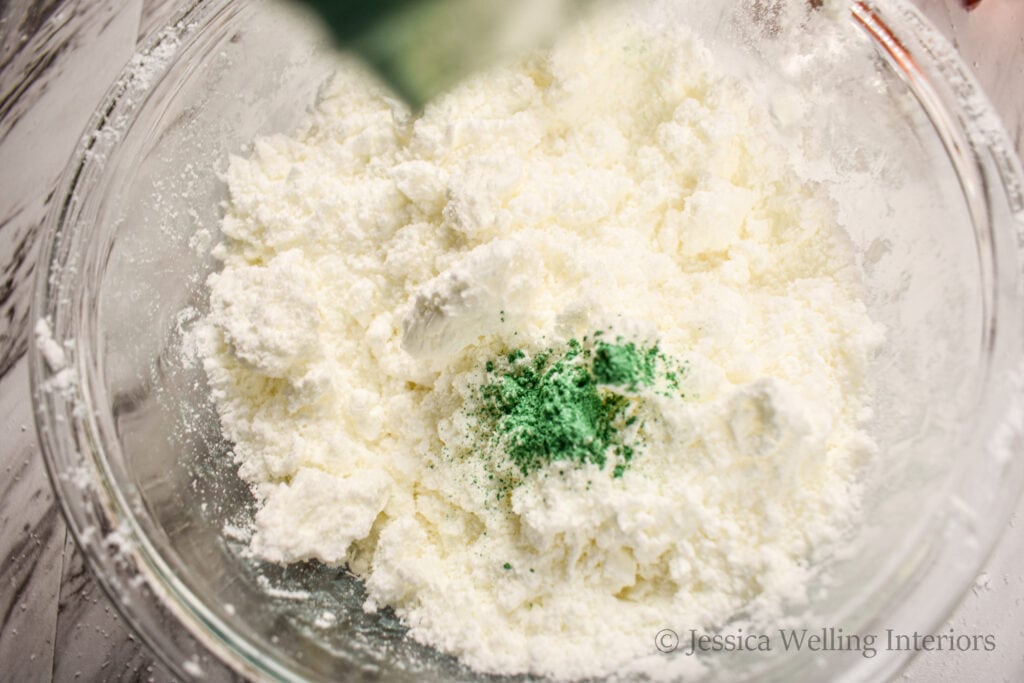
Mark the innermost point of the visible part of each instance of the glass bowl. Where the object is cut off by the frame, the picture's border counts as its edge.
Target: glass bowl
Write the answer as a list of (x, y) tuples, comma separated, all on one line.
[(932, 203)]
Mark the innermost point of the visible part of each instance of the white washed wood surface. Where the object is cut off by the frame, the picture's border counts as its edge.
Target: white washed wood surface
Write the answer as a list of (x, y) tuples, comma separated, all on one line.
[(57, 58)]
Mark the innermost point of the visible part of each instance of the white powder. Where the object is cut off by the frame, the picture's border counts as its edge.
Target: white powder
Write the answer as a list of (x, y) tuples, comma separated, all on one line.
[(375, 262), (53, 353), (63, 378)]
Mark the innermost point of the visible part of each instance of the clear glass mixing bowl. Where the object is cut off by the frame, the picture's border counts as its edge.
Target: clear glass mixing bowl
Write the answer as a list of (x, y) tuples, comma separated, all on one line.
[(932, 202)]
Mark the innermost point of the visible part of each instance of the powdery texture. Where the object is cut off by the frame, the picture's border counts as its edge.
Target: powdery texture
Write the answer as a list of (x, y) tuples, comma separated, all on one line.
[(374, 262)]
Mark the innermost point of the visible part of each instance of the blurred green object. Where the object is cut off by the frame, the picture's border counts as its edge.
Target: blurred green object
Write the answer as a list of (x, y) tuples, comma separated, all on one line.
[(423, 47)]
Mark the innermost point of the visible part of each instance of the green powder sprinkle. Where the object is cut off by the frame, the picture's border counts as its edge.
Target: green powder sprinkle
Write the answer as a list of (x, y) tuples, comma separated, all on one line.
[(624, 364), (507, 566), (553, 413), (578, 403)]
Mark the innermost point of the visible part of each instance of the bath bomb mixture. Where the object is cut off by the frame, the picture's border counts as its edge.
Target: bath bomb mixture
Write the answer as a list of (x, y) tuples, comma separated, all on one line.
[(569, 358)]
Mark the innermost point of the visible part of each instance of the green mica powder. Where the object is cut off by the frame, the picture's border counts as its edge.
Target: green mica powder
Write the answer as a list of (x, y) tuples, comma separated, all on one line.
[(625, 365), (572, 404)]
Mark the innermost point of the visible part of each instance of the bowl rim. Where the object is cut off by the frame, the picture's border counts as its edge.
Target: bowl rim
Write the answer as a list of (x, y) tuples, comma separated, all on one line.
[(101, 521), (130, 570)]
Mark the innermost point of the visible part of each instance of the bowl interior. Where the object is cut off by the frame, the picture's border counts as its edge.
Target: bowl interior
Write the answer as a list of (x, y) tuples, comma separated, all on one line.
[(129, 286)]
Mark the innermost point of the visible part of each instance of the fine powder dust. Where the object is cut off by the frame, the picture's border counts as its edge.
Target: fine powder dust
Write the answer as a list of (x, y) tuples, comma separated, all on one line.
[(376, 265)]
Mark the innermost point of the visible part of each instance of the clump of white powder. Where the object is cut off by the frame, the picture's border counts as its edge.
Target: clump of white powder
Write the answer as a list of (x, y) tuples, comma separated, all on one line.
[(374, 263)]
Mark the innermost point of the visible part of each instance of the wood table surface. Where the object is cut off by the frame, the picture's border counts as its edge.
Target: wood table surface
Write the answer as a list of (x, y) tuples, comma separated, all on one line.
[(57, 57)]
